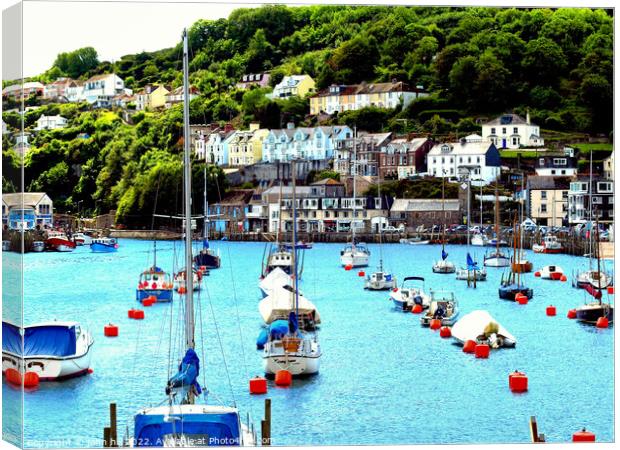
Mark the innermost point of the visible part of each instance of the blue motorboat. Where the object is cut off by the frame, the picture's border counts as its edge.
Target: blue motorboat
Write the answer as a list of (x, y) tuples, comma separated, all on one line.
[(104, 245)]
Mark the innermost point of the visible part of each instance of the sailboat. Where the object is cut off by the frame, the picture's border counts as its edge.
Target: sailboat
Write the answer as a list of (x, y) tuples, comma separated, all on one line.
[(520, 264), (279, 256), (354, 254), (443, 266), (513, 284), (591, 312), (206, 258), (154, 282), (381, 280), (180, 421), (471, 272), (496, 258), (289, 347), (480, 239), (591, 279)]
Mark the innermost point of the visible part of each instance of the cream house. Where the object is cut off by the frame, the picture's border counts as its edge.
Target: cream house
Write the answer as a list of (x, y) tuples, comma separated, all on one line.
[(547, 199), (293, 85), (512, 131)]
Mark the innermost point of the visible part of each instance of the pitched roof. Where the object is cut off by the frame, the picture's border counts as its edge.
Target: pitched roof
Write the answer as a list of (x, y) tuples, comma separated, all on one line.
[(508, 119), (366, 88), (538, 182), (99, 77), (423, 205), (327, 182), (462, 148), (29, 198)]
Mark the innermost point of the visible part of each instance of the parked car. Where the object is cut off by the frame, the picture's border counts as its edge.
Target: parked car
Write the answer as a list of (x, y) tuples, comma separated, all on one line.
[(393, 229), (461, 228)]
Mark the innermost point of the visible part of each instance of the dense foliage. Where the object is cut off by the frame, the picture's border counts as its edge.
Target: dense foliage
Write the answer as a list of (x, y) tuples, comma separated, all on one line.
[(476, 62)]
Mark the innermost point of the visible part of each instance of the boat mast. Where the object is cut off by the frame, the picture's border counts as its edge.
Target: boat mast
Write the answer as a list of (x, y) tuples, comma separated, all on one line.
[(380, 229), (187, 178), (205, 206), (590, 214), (522, 206), (279, 215), (293, 244), (598, 262), (496, 221), (354, 188), (468, 206), (443, 215)]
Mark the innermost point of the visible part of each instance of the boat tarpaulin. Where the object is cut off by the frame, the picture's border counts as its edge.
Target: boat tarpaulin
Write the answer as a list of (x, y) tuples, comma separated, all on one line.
[(189, 369), (205, 244), (444, 255), (221, 429), (49, 340), (11, 339), (471, 264), (594, 292)]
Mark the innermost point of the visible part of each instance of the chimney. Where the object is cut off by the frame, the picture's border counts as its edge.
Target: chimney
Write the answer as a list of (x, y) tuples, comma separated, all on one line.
[(228, 127), (463, 141), (254, 126), (290, 125), (527, 117)]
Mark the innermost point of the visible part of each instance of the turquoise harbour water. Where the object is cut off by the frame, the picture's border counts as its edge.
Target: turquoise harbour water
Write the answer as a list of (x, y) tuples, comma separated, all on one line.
[(384, 379)]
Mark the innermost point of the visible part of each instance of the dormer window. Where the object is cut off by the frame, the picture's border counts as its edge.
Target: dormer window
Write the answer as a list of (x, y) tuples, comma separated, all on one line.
[(445, 148)]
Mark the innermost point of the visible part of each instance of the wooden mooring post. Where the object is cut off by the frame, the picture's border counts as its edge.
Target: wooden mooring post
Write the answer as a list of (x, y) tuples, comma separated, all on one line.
[(265, 425), (110, 434), (536, 438)]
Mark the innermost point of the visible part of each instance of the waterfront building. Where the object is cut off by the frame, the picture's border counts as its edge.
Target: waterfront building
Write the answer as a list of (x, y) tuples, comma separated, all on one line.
[(338, 98), (427, 212), (50, 123), (260, 80), (230, 214), (546, 200), (293, 85), (512, 131), (322, 207), (452, 160), (558, 165), (100, 89), (25, 90), (602, 200), (27, 210)]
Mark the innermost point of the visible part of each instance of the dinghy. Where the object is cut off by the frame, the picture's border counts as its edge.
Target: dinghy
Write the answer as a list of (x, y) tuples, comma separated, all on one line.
[(410, 294), (479, 326), (443, 307), (551, 273)]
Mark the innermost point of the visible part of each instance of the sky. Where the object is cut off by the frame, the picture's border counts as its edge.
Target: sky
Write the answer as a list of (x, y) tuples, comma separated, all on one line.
[(116, 28)]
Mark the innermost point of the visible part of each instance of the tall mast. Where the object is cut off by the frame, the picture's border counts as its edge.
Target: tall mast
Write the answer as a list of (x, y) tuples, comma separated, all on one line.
[(443, 214), (480, 207), (598, 261), (522, 205), (205, 208), (468, 206), (496, 220), (590, 214), (293, 243), (187, 178), (354, 187), (380, 229), (279, 215)]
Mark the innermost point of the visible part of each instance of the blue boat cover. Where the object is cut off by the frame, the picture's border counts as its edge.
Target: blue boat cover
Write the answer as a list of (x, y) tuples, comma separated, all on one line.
[(444, 255), (206, 430), (262, 338), (292, 322), (388, 277), (47, 340), (205, 244), (189, 369), (278, 328), (471, 264)]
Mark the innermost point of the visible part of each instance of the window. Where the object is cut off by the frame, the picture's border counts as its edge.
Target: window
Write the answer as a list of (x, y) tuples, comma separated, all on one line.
[(541, 162), (543, 195), (503, 130), (604, 187), (460, 159), (559, 161), (492, 130), (515, 141), (596, 200), (552, 171), (478, 159), (515, 130), (563, 172), (543, 208)]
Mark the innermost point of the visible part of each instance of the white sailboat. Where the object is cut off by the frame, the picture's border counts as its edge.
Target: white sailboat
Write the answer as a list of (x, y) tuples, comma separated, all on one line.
[(443, 265), (354, 254), (470, 272), (480, 239), (291, 346), (277, 255), (381, 280), (181, 422)]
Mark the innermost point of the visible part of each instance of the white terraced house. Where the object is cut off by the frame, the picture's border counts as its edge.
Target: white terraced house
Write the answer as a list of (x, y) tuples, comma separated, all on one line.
[(51, 123), (318, 143), (213, 148), (512, 131)]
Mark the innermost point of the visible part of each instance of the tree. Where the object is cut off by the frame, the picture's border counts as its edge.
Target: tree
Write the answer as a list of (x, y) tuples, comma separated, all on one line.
[(259, 52), (354, 60), (77, 62), (544, 61)]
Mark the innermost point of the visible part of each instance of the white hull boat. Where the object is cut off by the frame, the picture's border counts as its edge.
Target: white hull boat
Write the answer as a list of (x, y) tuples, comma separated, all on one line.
[(380, 281), (479, 326), (410, 294), (496, 259), (443, 306), (300, 357), (465, 274), (594, 278), (357, 256), (62, 350), (479, 240), (444, 266), (551, 273), (550, 244)]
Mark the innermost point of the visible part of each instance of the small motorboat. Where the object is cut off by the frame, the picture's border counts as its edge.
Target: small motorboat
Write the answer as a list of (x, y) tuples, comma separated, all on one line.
[(59, 242), (53, 350), (443, 306), (82, 239), (479, 326), (38, 246), (550, 244), (279, 257), (179, 280), (551, 273), (522, 266), (380, 281), (497, 242), (410, 294), (154, 282), (417, 241), (104, 245), (496, 259), (301, 245)]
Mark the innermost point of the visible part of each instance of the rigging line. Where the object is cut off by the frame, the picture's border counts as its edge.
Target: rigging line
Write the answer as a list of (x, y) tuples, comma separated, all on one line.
[(202, 344), (234, 290), (219, 339)]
